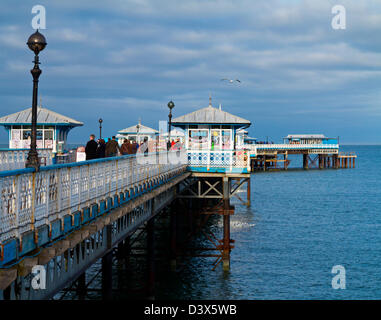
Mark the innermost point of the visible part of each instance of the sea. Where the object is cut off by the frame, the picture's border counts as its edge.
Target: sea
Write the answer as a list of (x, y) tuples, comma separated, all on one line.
[(301, 228), (300, 225)]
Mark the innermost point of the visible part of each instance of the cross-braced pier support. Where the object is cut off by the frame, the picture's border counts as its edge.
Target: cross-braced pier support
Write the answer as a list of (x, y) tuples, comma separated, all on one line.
[(151, 258), (81, 286), (173, 238), (212, 192), (107, 276)]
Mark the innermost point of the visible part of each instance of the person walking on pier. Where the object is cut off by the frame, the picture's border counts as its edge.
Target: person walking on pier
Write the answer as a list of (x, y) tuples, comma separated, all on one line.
[(126, 147), (134, 147), (112, 147), (91, 148), (101, 150)]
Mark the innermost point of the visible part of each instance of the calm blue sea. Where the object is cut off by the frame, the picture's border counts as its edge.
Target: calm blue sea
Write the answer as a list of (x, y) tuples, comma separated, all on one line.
[(300, 225)]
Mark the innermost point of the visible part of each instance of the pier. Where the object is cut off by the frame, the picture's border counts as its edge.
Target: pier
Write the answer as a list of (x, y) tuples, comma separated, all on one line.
[(317, 151), (65, 217)]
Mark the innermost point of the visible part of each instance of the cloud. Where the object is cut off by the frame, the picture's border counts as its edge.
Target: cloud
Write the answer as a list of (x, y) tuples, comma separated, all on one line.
[(129, 58)]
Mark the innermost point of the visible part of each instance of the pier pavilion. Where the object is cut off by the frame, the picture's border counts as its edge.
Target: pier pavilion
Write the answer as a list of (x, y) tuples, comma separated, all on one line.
[(137, 133), (52, 129), (318, 151), (212, 140), (309, 139)]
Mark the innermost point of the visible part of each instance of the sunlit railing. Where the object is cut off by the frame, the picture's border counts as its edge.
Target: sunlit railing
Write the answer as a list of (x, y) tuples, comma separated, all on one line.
[(12, 159), (30, 199)]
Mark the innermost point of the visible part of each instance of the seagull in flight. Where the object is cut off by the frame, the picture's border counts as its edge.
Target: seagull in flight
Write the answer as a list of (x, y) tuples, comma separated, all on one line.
[(231, 80)]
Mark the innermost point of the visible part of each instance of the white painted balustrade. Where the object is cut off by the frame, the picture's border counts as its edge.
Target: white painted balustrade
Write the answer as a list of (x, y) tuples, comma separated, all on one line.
[(224, 159), (30, 199), (15, 158)]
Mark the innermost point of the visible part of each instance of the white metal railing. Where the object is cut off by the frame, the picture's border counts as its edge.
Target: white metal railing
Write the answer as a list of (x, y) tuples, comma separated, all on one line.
[(224, 159), (30, 199), (292, 146), (13, 159)]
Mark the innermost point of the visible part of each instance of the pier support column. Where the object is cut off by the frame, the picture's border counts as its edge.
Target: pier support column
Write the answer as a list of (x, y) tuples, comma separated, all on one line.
[(81, 286), (120, 252), (305, 161), (126, 249), (150, 258), (321, 161), (173, 227), (353, 165), (248, 196), (226, 218), (107, 276)]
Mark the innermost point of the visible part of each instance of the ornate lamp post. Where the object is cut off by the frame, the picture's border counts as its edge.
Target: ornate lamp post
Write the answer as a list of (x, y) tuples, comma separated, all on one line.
[(171, 105), (100, 128), (36, 43)]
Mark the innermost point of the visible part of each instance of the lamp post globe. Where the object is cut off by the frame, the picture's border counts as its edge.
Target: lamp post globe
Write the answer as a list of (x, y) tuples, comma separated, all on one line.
[(36, 43), (171, 105)]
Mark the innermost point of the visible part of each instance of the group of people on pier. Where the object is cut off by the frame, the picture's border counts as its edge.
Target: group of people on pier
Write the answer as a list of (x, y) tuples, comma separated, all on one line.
[(101, 149)]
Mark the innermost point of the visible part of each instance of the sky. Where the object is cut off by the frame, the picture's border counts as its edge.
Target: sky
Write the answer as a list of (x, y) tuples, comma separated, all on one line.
[(122, 60)]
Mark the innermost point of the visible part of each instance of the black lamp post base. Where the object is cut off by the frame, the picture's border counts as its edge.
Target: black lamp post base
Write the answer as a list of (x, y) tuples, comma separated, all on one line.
[(33, 161)]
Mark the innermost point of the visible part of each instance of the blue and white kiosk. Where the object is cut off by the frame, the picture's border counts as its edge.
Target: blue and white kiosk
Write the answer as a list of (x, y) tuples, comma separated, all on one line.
[(211, 140), (52, 131)]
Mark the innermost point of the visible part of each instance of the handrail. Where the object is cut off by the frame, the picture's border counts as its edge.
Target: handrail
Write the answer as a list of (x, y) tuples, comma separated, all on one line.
[(29, 199)]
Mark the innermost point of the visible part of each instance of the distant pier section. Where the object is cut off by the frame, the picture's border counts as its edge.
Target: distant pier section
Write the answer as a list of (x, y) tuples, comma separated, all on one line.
[(318, 151)]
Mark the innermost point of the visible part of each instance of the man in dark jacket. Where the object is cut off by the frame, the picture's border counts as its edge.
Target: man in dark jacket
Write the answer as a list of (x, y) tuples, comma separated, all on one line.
[(101, 151), (112, 148), (91, 148)]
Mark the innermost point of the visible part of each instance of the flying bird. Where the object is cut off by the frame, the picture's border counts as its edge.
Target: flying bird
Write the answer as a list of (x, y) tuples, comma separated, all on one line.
[(231, 80)]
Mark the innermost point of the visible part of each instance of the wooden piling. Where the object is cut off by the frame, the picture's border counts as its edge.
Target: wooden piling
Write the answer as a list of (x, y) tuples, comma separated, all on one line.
[(226, 221)]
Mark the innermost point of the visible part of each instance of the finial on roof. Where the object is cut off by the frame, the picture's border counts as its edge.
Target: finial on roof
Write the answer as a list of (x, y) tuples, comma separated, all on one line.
[(220, 107), (40, 103), (210, 99), (140, 121)]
